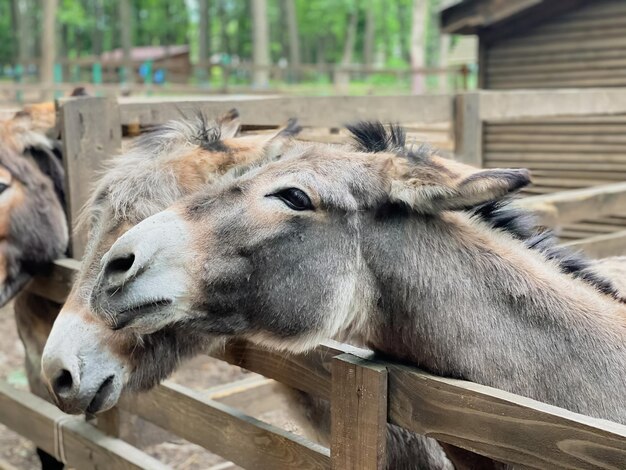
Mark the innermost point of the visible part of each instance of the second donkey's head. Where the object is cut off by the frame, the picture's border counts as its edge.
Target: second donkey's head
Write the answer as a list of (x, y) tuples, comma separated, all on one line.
[(165, 165)]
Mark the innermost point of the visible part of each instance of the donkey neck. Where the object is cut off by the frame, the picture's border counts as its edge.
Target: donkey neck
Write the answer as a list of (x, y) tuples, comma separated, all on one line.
[(463, 300)]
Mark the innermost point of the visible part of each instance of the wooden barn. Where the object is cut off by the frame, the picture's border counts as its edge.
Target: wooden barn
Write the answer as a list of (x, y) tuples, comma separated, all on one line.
[(528, 44), (175, 59)]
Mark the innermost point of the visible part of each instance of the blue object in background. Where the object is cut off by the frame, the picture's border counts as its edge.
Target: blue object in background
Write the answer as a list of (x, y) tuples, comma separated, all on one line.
[(159, 76)]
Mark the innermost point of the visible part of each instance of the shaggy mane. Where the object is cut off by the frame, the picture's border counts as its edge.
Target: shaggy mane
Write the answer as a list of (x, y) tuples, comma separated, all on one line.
[(499, 214), (135, 184), (373, 136), (522, 225)]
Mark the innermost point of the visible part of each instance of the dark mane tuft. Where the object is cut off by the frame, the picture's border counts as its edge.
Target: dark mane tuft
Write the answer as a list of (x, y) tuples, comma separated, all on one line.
[(292, 128), (522, 225), (208, 134), (501, 215), (372, 136)]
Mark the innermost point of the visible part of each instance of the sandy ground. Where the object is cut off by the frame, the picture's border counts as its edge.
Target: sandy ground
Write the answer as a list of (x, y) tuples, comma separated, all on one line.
[(200, 374)]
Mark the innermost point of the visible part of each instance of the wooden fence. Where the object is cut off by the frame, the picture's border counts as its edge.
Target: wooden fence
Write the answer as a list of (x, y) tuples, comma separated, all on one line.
[(109, 79), (365, 393)]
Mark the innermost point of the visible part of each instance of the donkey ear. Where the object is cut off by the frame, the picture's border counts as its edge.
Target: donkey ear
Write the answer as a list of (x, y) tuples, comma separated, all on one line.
[(230, 124), (278, 142), (487, 185), (432, 187)]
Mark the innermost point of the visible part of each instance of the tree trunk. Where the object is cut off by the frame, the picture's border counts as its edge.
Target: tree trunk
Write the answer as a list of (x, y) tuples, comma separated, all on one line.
[(444, 50), (204, 36), (370, 31), (418, 39), (98, 36), (405, 33), (15, 30), (223, 20), (260, 46), (25, 30), (48, 47), (289, 7), (445, 41), (126, 27), (342, 78)]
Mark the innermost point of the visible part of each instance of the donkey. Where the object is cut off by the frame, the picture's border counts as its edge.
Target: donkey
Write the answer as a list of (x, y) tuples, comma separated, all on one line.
[(374, 243), (193, 329), (164, 166), (33, 229)]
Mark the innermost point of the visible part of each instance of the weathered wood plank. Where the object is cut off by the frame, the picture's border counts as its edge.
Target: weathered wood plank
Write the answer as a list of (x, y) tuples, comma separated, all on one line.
[(498, 137), (218, 428), (550, 47), (580, 204), (603, 175), (513, 71), (596, 228), (568, 183), (500, 425), (544, 157), (91, 134), (320, 111), (602, 246), (558, 81), (109, 422), (468, 129), (255, 395), (358, 414), (559, 148), (546, 129), (464, 17), (553, 120), (556, 57), (57, 283), (542, 103), (308, 372), (61, 435), (543, 165)]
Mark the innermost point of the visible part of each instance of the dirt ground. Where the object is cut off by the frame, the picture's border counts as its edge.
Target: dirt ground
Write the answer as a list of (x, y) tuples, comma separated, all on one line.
[(199, 374)]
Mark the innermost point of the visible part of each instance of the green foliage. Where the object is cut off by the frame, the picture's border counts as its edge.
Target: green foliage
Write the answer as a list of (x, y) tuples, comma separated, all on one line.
[(7, 43), (87, 27)]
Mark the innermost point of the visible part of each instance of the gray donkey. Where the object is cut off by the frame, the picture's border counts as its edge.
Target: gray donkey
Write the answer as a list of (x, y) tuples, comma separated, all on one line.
[(373, 243), (164, 166)]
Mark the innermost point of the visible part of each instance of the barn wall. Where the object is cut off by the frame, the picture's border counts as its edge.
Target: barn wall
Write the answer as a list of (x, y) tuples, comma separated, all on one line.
[(585, 47), (563, 153)]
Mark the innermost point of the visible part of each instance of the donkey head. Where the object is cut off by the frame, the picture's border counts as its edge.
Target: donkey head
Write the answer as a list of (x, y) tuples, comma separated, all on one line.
[(33, 228), (90, 371), (280, 254)]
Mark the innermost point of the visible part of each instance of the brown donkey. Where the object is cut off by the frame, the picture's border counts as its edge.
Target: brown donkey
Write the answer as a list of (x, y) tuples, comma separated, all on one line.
[(33, 229), (375, 243), (172, 162), (163, 166)]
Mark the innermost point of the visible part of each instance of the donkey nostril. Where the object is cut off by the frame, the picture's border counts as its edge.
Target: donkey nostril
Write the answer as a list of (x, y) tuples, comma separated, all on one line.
[(63, 383), (121, 264)]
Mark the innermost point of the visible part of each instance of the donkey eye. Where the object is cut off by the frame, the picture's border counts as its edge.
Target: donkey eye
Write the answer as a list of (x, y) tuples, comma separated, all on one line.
[(3, 187), (295, 198)]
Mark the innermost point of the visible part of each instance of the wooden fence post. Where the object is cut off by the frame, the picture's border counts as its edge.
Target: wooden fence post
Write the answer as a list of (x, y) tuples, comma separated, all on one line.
[(91, 134), (358, 414), (468, 129)]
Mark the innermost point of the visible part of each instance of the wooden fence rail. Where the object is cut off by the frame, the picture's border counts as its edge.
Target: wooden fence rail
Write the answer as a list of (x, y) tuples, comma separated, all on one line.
[(366, 393)]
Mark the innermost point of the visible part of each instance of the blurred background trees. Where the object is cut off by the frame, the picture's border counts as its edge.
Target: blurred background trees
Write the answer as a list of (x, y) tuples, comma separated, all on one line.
[(287, 33)]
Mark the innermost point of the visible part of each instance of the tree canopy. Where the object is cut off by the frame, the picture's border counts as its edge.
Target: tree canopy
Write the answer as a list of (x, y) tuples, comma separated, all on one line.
[(89, 27)]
